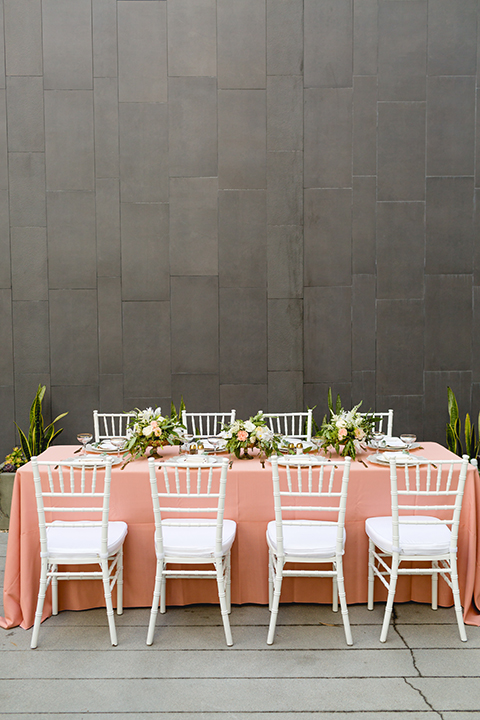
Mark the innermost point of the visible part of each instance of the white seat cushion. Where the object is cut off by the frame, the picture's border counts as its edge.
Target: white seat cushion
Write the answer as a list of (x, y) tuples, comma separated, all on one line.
[(182, 540), (312, 541), (83, 541), (423, 539)]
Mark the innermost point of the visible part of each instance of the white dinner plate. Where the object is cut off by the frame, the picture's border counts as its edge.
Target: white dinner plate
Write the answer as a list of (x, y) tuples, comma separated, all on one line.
[(392, 443), (193, 460), (89, 461), (104, 446), (402, 459)]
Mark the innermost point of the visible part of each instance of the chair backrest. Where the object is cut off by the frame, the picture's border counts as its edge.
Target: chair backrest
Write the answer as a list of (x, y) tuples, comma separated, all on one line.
[(195, 492), (72, 495), (107, 425), (293, 424), (433, 489), (205, 425), (316, 492), (383, 421)]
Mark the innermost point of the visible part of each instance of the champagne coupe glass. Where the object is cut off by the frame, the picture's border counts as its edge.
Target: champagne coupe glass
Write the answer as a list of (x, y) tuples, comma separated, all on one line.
[(84, 439), (215, 442), (119, 443), (317, 441), (377, 438), (408, 439)]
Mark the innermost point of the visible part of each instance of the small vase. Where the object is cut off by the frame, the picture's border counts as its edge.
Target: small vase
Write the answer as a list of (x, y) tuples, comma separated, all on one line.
[(244, 454)]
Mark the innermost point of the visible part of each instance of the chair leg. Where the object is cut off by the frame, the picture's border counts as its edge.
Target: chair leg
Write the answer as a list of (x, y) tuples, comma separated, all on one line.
[(156, 598), (343, 601), (120, 582), (163, 595), (108, 601), (270, 579), (40, 601), (276, 599), (391, 595), (456, 597), (371, 576), (220, 567), (54, 592), (335, 594), (434, 587), (228, 583)]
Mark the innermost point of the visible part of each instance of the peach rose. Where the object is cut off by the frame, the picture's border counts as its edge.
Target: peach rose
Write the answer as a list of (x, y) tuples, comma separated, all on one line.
[(242, 435), (342, 433)]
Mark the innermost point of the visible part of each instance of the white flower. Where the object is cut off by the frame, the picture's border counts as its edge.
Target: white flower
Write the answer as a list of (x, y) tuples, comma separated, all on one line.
[(147, 431), (341, 423), (249, 426), (235, 427), (264, 434)]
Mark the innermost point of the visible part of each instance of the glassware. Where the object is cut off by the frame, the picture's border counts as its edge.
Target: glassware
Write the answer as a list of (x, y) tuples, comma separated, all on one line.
[(84, 439), (408, 439), (317, 441), (378, 438), (119, 443), (214, 442)]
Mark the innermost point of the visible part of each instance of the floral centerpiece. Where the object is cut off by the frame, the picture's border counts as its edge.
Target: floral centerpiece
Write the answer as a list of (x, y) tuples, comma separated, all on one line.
[(150, 430), (345, 430), (242, 435)]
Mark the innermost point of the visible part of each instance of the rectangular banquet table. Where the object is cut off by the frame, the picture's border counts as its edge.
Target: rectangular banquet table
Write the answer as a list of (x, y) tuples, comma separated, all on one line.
[(249, 502)]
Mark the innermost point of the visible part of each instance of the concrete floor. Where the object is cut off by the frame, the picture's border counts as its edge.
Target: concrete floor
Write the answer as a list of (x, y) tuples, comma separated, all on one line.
[(423, 671)]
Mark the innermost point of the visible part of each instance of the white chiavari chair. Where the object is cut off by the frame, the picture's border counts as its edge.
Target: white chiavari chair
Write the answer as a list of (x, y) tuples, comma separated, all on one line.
[(423, 528), (205, 425), (64, 493), (292, 424), (108, 425)]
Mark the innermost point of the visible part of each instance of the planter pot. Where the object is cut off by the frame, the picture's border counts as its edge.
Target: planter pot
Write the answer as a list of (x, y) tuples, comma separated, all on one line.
[(6, 491)]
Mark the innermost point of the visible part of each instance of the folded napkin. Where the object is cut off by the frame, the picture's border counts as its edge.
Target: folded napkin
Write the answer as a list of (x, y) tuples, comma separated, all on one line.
[(106, 445), (390, 441), (400, 457)]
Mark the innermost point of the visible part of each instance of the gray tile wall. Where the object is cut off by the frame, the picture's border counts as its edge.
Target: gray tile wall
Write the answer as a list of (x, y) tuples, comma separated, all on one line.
[(243, 203)]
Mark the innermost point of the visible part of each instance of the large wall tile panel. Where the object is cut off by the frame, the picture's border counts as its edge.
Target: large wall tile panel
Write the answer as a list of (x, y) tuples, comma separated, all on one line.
[(31, 337), (243, 336), (400, 338), (194, 312), (193, 226), (192, 111), (401, 151), (402, 49), (145, 267), (242, 139), (452, 37), (26, 130), (363, 389), (108, 227), (328, 237), (79, 402), (327, 334), (400, 250), (328, 43), (284, 37), (143, 148), (146, 349), (29, 264), (3, 142), (451, 126), (365, 37), (27, 189), (242, 238), (285, 391), (105, 102), (365, 125), (69, 140), (285, 261), (408, 415), (6, 326), (110, 325), (73, 337), (448, 322), (67, 44), (192, 37), (328, 138), (104, 16), (476, 336), (241, 44), (111, 394), (284, 113), (142, 51), (23, 37), (449, 225), (246, 399), (7, 428), (285, 335), (284, 188), (364, 224), (363, 322), (5, 270), (71, 241), (200, 393)]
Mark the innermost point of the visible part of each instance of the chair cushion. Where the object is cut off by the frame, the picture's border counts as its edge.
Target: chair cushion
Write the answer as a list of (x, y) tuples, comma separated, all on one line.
[(423, 539), (309, 541), (83, 541), (182, 540)]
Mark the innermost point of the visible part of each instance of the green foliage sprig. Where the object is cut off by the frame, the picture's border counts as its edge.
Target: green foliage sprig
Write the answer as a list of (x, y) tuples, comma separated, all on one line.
[(39, 437), (454, 428), (345, 430)]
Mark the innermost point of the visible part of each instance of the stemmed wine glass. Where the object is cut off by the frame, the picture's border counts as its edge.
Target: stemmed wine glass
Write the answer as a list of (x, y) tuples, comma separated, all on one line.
[(84, 439), (214, 442), (377, 438), (408, 439), (317, 441), (119, 443)]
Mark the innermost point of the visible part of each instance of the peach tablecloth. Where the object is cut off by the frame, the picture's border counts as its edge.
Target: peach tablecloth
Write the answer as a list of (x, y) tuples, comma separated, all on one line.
[(249, 502)]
